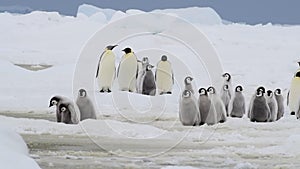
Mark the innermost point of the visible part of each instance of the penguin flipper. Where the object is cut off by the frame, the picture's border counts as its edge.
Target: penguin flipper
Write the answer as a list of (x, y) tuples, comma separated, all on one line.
[(99, 64), (287, 98), (173, 76), (118, 69)]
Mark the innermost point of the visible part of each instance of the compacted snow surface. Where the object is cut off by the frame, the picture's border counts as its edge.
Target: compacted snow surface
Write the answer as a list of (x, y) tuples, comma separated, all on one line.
[(134, 130)]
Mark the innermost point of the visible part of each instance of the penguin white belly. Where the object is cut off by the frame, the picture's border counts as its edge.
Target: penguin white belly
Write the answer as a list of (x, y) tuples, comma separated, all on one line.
[(164, 80), (294, 96), (106, 71), (127, 73)]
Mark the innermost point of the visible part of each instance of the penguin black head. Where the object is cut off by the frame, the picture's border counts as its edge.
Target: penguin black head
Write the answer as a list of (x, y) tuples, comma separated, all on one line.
[(188, 80), (149, 67), (227, 76), (225, 87), (261, 88), (269, 93), (145, 60), (260, 91), (186, 93), (211, 90), (164, 58), (239, 89), (297, 74), (53, 101), (277, 92), (202, 91), (111, 47), (127, 50), (63, 107), (299, 64), (82, 93)]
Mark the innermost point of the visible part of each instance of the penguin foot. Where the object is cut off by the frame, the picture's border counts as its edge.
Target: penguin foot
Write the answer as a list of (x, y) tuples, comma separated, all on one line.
[(293, 113), (252, 120), (202, 123), (101, 91), (108, 90), (222, 121), (169, 92)]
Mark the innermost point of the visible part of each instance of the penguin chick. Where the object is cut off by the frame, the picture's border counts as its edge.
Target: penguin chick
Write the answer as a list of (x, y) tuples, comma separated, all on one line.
[(149, 86), (228, 81), (188, 109), (141, 74), (217, 105), (272, 103), (55, 101), (204, 105), (188, 84), (259, 110), (69, 113), (85, 105), (226, 96), (279, 98), (237, 105)]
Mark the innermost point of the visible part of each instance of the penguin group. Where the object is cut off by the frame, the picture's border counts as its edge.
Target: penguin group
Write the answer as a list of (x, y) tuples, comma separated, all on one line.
[(69, 112), (134, 75), (212, 108)]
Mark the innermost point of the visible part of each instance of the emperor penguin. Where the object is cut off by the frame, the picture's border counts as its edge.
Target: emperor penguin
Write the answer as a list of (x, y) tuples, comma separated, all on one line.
[(226, 96), (279, 98), (141, 74), (259, 108), (188, 84), (85, 105), (106, 69), (217, 105), (272, 103), (188, 109), (237, 105), (149, 86), (164, 76), (55, 101), (227, 81), (127, 71), (294, 94), (204, 106), (69, 112)]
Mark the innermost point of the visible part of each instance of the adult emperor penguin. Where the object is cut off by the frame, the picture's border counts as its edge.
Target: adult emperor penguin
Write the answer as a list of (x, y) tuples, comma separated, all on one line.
[(279, 98), (272, 103), (106, 69), (69, 112), (164, 76), (237, 105), (294, 94), (85, 105), (204, 106), (127, 71), (188, 84), (55, 101), (141, 74), (227, 81), (217, 105), (259, 109), (188, 109), (226, 96), (149, 86)]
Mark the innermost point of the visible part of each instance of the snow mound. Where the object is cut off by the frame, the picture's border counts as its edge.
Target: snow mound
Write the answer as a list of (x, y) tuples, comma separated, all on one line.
[(206, 16), (13, 148), (90, 10)]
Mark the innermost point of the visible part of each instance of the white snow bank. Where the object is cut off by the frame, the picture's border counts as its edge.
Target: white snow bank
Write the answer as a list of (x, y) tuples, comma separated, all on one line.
[(205, 16), (14, 153)]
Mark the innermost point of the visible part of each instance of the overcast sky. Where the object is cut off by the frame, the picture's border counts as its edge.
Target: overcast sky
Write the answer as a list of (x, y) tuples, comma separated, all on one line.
[(247, 11)]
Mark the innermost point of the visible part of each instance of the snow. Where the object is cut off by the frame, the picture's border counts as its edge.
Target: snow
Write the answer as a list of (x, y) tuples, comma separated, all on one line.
[(13, 148), (254, 55)]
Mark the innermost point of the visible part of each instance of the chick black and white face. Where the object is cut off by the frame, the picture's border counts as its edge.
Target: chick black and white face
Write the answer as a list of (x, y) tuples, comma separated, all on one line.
[(259, 92), (225, 87), (211, 90), (277, 92), (54, 101), (202, 91), (239, 89), (63, 108), (149, 67), (82, 93), (145, 60), (186, 93), (188, 80), (227, 76), (261, 88), (269, 93)]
